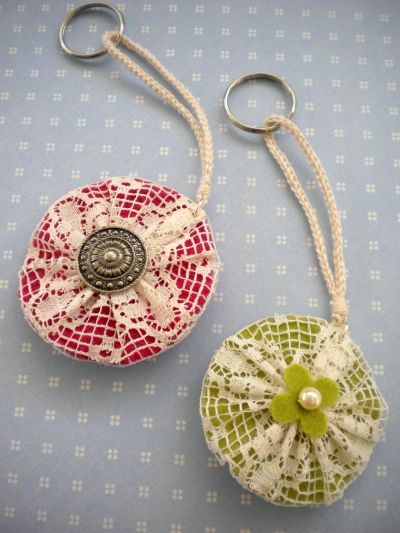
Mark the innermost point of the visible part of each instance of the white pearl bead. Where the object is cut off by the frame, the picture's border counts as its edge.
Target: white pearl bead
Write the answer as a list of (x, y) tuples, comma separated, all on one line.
[(110, 255), (310, 398)]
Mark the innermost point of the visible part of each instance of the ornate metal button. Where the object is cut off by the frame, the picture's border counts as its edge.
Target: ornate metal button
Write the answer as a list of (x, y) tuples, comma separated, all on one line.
[(111, 259)]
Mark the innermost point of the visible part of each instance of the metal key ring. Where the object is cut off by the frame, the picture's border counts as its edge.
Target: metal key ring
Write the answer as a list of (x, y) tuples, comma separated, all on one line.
[(67, 20), (255, 76)]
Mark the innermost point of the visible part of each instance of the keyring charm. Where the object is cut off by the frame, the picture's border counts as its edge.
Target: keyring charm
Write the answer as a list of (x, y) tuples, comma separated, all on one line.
[(74, 13), (288, 402), (257, 76), (118, 271)]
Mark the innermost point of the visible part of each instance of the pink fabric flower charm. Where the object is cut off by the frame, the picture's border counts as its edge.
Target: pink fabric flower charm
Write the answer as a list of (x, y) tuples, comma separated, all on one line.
[(305, 400), (118, 271)]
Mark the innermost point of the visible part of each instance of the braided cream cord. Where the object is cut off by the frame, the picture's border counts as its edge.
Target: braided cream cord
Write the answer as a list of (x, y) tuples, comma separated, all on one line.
[(198, 122), (336, 280)]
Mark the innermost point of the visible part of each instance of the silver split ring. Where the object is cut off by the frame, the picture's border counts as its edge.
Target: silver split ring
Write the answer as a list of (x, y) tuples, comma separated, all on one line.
[(255, 76), (73, 14)]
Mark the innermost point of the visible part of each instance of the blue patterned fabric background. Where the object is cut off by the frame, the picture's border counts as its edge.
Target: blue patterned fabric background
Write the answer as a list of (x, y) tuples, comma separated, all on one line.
[(89, 448)]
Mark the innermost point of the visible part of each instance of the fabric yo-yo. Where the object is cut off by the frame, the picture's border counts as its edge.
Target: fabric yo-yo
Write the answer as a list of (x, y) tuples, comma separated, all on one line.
[(120, 270), (289, 402)]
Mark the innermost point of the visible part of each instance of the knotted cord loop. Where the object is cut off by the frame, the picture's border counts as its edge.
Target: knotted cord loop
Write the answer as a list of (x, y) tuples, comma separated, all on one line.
[(196, 119), (335, 279)]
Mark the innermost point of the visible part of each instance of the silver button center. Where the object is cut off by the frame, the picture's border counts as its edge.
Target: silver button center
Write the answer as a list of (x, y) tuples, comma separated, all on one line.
[(112, 259)]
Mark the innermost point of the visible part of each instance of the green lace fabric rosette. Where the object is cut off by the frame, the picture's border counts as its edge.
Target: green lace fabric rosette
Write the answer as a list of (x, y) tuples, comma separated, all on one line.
[(254, 421)]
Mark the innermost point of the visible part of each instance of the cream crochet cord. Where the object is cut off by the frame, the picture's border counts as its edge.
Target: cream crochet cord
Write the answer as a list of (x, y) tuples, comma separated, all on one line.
[(280, 462), (198, 122), (336, 280)]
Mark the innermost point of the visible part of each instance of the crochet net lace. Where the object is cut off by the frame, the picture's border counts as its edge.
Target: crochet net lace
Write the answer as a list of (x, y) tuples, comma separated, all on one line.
[(280, 462), (153, 314)]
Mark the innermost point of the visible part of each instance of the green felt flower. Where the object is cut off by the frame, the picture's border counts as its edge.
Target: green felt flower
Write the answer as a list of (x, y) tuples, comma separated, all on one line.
[(305, 400)]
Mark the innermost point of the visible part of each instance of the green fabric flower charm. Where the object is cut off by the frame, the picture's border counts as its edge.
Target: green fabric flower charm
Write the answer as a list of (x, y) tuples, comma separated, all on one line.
[(304, 400)]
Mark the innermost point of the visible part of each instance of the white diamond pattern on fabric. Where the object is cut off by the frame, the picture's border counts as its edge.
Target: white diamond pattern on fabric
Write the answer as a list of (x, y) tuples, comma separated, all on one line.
[(148, 317), (279, 462)]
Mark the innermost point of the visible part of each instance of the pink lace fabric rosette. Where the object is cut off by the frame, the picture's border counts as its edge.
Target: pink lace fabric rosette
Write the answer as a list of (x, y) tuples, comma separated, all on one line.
[(118, 271)]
